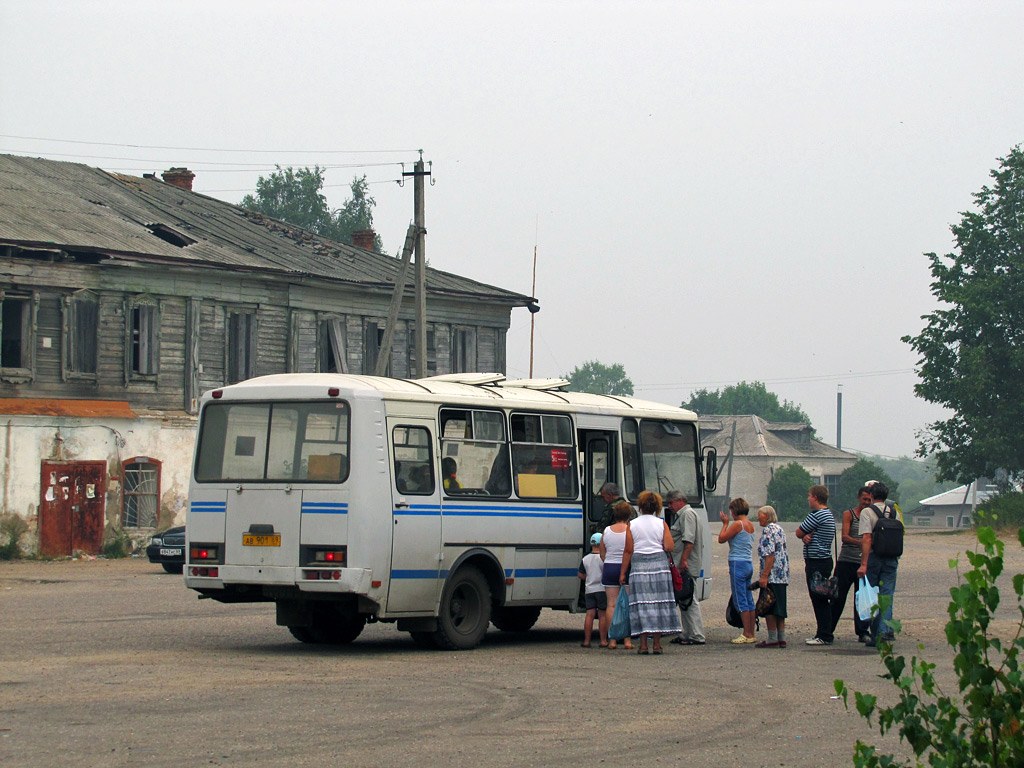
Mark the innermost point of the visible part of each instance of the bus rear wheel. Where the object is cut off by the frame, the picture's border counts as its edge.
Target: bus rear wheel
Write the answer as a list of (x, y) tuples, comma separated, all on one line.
[(515, 618), (465, 610), (335, 627)]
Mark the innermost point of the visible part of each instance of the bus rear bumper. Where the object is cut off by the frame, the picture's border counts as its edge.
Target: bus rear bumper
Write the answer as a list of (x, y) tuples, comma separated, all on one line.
[(330, 580)]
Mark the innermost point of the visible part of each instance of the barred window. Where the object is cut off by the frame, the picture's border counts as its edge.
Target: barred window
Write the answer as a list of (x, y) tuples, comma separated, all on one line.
[(141, 493)]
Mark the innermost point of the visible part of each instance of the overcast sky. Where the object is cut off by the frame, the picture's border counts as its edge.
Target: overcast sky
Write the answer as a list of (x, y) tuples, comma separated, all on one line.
[(716, 192)]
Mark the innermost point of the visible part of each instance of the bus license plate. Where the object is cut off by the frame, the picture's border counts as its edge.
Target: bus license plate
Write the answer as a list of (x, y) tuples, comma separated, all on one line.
[(261, 539)]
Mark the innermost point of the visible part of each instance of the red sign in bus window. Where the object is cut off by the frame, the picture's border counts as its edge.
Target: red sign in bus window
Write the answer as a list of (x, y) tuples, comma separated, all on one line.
[(559, 458)]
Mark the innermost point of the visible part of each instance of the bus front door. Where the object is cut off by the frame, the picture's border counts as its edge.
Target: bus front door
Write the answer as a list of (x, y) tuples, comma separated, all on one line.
[(599, 468), (415, 576)]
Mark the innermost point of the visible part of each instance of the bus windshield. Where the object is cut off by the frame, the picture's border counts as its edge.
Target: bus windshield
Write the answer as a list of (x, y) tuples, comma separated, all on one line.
[(284, 442), (669, 458)]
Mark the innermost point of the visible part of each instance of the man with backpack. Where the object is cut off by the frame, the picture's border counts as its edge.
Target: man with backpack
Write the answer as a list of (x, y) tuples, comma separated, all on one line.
[(881, 547)]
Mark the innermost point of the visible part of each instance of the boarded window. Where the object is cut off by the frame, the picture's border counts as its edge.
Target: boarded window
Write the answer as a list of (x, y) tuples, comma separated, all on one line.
[(81, 326), (141, 493), (373, 337), (16, 331), (241, 345), (332, 346), (463, 350), (143, 353)]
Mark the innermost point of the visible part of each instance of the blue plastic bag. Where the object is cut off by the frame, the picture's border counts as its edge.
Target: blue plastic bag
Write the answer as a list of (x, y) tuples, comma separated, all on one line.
[(867, 599), (619, 629)]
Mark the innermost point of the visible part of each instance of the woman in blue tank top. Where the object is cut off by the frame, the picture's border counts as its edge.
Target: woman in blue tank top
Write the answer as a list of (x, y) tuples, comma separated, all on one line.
[(739, 533)]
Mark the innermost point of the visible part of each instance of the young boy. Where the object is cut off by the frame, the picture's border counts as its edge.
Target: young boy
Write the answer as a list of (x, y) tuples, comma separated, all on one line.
[(596, 599)]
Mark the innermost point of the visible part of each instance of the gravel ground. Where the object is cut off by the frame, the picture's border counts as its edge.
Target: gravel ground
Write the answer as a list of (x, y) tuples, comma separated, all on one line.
[(113, 663)]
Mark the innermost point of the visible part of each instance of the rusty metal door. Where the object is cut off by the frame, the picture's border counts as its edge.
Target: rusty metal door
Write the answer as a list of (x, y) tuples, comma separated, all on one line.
[(72, 507)]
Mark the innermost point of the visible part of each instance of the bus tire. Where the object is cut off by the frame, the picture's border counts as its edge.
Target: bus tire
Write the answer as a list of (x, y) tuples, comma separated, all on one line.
[(302, 634), (336, 628), (516, 618), (465, 610)]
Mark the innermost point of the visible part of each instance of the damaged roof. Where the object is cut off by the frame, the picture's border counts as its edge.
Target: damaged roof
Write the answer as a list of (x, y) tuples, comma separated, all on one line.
[(60, 206), (757, 437)]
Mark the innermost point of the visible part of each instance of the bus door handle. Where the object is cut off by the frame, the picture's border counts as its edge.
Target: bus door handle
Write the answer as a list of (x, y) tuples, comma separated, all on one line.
[(401, 505)]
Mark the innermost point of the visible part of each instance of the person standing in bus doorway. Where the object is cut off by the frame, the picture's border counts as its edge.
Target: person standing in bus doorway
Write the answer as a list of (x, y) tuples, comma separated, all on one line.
[(591, 571), (818, 533), (448, 470), (613, 547), (688, 537), (611, 495)]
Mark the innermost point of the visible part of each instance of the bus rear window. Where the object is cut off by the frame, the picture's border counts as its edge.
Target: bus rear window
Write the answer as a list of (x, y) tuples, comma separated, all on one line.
[(285, 442)]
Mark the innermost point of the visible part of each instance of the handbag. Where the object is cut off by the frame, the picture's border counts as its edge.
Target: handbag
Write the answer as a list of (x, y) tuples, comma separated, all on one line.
[(677, 579), (732, 616), (765, 602), (824, 586), (867, 599), (619, 629)]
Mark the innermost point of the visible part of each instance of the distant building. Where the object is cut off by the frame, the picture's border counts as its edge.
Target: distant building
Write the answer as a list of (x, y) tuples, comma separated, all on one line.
[(123, 299), (750, 449), (953, 508)]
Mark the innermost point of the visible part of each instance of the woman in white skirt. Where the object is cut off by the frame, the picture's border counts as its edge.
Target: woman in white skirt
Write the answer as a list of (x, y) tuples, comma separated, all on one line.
[(652, 603)]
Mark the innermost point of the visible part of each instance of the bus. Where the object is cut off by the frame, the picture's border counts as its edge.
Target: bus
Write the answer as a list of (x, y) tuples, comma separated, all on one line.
[(442, 504)]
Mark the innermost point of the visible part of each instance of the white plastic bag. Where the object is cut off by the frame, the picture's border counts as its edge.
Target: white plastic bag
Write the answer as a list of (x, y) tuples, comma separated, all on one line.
[(867, 599)]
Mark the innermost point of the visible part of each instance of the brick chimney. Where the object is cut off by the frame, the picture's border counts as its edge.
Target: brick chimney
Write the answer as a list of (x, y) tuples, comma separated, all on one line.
[(363, 238), (179, 177)]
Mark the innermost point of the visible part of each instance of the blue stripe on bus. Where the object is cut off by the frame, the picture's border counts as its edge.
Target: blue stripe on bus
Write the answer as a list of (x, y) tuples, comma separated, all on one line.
[(419, 509), (324, 508), (209, 506), (464, 512), (413, 574), (534, 573)]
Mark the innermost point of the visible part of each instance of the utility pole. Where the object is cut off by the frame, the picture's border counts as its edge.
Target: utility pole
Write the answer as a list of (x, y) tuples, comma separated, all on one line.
[(839, 418), (419, 221), (533, 292)]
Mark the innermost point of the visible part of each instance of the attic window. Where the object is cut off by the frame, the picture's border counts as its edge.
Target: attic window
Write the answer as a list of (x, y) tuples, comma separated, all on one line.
[(169, 235)]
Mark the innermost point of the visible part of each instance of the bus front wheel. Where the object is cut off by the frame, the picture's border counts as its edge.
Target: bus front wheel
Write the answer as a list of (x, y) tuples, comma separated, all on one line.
[(465, 610)]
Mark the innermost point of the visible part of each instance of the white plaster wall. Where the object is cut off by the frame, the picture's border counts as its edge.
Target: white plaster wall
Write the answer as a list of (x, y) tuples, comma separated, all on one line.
[(26, 441)]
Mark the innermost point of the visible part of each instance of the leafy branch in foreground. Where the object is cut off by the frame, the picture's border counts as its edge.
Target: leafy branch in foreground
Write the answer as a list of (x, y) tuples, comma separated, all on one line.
[(980, 725)]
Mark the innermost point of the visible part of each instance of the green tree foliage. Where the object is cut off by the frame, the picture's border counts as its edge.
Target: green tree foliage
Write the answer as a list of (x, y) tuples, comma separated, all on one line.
[(295, 196), (746, 398), (787, 492), (599, 379), (980, 724), (917, 479), (854, 478), (1005, 510), (972, 355)]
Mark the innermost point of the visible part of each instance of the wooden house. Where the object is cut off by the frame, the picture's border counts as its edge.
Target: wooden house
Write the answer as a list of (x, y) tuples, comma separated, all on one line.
[(122, 299)]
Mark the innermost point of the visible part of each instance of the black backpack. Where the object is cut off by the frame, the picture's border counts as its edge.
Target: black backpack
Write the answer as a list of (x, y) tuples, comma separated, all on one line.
[(887, 535)]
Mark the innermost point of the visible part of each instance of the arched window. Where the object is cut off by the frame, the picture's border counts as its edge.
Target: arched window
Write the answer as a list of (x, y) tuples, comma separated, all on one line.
[(141, 484)]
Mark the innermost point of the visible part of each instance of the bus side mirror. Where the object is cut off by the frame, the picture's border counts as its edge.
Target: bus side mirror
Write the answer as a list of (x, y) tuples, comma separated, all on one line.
[(710, 454)]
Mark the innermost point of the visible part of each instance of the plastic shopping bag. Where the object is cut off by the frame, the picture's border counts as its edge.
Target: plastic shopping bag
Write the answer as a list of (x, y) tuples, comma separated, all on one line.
[(867, 599), (619, 629)]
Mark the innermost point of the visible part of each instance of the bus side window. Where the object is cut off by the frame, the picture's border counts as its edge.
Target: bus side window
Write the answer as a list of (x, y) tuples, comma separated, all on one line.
[(414, 472)]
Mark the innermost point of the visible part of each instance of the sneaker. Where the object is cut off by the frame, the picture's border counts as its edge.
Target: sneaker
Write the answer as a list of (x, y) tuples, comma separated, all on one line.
[(864, 639), (816, 641)]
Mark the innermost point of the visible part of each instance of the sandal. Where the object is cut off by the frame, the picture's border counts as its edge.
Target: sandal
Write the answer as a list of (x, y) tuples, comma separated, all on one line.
[(641, 651), (585, 645)]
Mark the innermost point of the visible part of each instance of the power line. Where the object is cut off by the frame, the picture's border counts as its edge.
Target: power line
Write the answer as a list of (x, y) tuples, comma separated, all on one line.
[(236, 167), (211, 149), (790, 380)]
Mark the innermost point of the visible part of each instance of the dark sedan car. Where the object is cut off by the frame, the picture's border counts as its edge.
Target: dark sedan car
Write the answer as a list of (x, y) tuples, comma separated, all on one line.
[(168, 549)]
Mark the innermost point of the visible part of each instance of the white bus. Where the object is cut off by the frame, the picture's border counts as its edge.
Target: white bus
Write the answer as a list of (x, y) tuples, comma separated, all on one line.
[(442, 504)]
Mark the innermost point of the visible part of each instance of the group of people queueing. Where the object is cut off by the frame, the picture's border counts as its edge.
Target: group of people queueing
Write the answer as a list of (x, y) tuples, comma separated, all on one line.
[(636, 552)]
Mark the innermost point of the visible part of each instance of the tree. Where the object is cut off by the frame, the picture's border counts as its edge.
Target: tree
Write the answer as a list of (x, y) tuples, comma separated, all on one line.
[(295, 196), (979, 723), (746, 398), (787, 491), (600, 379), (854, 478), (972, 355), (916, 478)]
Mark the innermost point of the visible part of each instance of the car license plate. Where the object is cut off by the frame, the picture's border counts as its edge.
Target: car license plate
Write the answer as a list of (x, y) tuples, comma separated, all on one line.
[(261, 539), (170, 553)]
